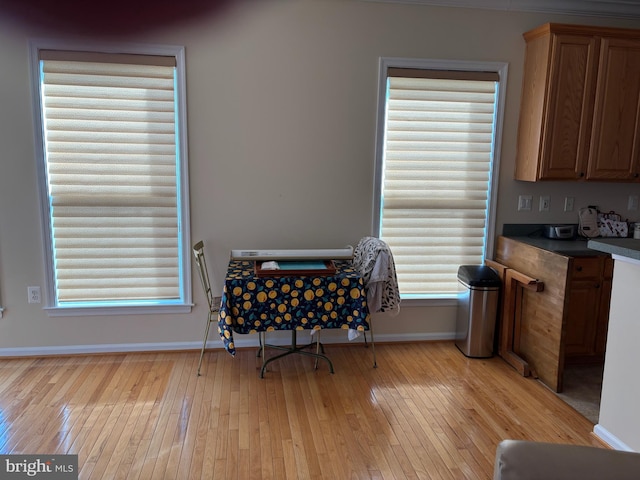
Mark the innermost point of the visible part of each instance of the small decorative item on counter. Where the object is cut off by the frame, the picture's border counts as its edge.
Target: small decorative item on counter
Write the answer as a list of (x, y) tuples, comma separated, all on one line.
[(588, 226), (611, 225), (636, 230)]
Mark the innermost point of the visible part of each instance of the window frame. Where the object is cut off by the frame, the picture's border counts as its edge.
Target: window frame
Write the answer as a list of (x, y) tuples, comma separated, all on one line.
[(182, 305), (386, 63)]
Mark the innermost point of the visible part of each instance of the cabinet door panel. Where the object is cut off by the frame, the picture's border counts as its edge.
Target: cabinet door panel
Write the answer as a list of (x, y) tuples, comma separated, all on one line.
[(582, 318), (614, 148), (570, 107)]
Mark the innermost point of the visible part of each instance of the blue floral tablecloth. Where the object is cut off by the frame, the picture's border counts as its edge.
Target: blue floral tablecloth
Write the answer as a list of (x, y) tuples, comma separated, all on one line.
[(252, 304)]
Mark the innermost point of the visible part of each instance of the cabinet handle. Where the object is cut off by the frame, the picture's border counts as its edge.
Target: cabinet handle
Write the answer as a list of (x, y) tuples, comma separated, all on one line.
[(581, 174), (578, 269), (635, 175), (597, 285)]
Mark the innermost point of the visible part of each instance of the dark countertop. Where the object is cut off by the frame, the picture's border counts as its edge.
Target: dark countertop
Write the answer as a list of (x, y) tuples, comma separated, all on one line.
[(532, 234), (625, 247), (568, 248)]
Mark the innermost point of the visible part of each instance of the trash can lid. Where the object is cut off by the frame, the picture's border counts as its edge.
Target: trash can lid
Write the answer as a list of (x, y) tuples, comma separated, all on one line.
[(478, 276)]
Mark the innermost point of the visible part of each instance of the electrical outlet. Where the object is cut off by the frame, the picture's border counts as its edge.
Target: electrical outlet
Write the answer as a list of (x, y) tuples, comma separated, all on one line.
[(544, 203), (633, 202), (568, 204), (33, 294), (524, 202)]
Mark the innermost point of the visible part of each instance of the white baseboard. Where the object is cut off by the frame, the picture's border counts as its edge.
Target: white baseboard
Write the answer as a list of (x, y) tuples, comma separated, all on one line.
[(242, 341), (94, 349), (333, 337), (610, 439)]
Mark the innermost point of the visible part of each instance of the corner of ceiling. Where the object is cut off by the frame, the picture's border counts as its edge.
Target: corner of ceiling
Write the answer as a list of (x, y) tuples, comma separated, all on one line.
[(607, 8)]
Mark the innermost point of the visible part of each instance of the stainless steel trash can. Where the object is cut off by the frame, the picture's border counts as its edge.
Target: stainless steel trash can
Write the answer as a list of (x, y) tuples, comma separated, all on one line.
[(477, 310)]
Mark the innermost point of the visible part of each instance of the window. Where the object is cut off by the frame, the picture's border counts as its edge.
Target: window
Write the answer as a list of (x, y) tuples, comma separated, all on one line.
[(438, 136), (111, 137)]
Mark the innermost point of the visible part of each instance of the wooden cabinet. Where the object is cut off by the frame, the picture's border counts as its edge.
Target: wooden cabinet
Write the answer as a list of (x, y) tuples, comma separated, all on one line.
[(587, 309), (567, 321), (579, 107), (614, 151)]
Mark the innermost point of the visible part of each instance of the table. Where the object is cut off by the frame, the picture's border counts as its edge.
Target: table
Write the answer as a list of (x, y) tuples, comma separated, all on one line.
[(252, 304)]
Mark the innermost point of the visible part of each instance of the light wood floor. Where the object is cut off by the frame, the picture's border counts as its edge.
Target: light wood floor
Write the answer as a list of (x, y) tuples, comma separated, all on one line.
[(425, 412)]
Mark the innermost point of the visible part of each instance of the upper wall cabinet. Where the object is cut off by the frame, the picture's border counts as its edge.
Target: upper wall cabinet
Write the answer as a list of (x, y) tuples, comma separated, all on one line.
[(579, 114)]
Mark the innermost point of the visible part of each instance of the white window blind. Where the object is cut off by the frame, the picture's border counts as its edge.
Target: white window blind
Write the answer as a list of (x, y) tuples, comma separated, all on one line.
[(113, 177), (436, 176)]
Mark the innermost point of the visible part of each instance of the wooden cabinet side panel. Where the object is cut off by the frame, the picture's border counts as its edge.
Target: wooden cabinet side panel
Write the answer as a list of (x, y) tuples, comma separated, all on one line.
[(532, 104), (541, 327), (605, 305), (602, 326)]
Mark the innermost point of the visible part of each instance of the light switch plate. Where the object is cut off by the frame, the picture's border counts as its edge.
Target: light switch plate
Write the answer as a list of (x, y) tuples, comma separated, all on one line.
[(33, 294), (568, 204), (524, 203), (544, 203)]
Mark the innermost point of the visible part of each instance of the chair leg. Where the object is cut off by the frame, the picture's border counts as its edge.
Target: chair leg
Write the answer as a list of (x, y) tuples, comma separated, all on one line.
[(262, 338), (204, 342), (373, 343), (317, 334)]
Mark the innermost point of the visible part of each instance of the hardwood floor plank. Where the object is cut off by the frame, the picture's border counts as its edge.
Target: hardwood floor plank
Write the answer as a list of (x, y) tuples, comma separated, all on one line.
[(140, 407), (115, 437), (426, 412), (200, 429), (141, 436)]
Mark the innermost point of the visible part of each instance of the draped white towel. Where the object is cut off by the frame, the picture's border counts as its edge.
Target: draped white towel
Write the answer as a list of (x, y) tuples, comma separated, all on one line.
[(373, 259)]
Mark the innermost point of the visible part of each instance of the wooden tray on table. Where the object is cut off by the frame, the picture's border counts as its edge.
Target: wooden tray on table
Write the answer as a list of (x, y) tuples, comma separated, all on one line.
[(296, 268)]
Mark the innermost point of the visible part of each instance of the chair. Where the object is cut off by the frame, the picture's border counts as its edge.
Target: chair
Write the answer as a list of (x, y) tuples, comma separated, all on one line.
[(214, 306), (529, 460), (372, 258)]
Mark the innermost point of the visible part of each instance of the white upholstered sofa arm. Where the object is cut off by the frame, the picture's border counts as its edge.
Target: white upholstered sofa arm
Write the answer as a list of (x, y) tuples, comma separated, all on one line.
[(525, 460)]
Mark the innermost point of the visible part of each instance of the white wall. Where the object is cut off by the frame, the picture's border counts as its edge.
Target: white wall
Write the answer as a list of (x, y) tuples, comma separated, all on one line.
[(619, 423), (281, 116)]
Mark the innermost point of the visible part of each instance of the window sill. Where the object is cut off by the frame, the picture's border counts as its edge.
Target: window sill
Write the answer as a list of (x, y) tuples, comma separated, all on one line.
[(123, 310), (429, 302)]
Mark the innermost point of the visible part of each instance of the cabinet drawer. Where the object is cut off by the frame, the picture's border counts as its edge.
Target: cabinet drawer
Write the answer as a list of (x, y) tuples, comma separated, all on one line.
[(583, 267)]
